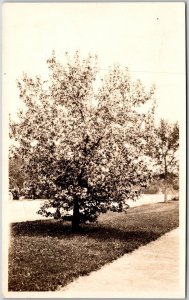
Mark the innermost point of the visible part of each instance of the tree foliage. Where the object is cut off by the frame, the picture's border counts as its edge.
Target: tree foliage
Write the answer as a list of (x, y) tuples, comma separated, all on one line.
[(83, 142)]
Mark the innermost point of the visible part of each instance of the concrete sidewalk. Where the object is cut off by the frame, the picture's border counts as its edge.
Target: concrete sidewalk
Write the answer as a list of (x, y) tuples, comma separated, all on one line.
[(152, 271)]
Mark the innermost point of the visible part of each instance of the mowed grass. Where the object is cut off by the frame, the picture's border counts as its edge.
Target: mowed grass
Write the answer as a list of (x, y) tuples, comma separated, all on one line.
[(45, 255)]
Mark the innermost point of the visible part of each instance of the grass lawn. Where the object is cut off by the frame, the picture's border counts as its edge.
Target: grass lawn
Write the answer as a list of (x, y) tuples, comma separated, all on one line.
[(46, 254)]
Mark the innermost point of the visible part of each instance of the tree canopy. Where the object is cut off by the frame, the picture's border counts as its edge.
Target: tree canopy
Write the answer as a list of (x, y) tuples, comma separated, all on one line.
[(82, 139)]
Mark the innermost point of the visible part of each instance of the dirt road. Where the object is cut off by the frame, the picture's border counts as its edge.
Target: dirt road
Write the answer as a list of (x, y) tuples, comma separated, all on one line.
[(25, 210)]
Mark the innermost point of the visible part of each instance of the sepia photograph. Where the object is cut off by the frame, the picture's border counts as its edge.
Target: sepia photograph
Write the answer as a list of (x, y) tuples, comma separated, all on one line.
[(94, 150)]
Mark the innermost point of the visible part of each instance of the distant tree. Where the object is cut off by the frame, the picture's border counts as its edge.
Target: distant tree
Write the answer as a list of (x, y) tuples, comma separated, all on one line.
[(83, 144), (163, 146), (16, 178)]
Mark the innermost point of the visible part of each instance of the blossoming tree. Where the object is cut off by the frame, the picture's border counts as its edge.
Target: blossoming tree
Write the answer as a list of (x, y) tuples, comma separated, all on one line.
[(82, 139)]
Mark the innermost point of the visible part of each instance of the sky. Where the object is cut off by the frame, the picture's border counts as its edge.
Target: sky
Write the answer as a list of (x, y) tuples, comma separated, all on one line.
[(148, 38)]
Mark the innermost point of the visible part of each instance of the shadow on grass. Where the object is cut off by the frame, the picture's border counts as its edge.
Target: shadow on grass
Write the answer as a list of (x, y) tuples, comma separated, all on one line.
[(53, 255), (100, 232)]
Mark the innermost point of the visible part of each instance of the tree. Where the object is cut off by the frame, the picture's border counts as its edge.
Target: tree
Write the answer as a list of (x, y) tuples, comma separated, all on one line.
[(163, 148), (16, 179), (82, 142)]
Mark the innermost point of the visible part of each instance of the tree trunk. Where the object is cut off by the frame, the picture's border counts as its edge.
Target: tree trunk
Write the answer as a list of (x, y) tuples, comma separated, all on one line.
[(165, 181), (165, 194), (76, 219)]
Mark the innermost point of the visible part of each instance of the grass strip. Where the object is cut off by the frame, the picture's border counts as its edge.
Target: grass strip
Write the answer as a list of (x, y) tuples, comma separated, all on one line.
[(45, 254)]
